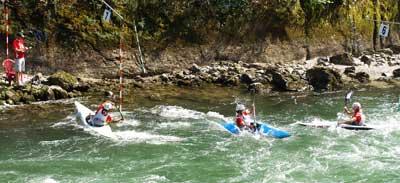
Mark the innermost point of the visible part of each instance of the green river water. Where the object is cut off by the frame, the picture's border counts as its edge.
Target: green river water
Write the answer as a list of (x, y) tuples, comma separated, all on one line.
[(175, 137)]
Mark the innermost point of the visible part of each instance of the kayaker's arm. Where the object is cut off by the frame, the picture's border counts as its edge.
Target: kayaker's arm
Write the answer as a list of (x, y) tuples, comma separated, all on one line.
[(347, 111)]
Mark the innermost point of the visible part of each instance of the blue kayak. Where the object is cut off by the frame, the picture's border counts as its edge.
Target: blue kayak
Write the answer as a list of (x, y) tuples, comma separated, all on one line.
[(263, 128)]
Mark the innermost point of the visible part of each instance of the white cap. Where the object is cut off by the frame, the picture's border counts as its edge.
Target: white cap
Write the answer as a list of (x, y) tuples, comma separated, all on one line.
[(108, 106), (240, 107)]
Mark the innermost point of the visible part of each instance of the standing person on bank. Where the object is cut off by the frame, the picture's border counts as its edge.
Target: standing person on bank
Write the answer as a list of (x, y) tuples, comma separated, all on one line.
[(19, 49)]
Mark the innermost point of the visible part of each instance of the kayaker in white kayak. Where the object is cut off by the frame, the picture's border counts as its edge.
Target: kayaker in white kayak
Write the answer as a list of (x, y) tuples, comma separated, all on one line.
[(102, 115), (357, 118), (243, 119)]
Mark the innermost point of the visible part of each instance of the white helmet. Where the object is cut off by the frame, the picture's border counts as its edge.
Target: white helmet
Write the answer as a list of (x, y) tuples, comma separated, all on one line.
[(108, 106), (240, 107), (356, 105)]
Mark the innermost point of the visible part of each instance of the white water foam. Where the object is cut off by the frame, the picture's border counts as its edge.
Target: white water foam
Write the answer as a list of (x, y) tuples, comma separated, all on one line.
[(175, 125), (141, 137), (217, 115), (176, 112), (154, 179), (128, 122), (46, 179)]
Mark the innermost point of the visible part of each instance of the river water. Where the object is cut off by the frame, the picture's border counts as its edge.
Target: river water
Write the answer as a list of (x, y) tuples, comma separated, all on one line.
[(176, 137)]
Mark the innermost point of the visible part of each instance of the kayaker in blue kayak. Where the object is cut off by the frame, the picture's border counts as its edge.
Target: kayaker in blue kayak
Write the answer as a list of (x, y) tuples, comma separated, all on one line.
[(243, 119), (357, 118), (102, 115)]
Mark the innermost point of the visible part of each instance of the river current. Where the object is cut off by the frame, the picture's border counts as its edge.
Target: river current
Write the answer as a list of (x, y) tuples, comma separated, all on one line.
[(177, 137)]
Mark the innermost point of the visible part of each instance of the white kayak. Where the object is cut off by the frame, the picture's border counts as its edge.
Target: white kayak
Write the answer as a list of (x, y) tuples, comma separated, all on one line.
[(331, 124), (83, 112)]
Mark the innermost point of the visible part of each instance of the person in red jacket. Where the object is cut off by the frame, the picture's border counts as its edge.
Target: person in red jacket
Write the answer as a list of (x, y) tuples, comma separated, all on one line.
[(243, 119), (357, 118), (19, 49), (102, 115)]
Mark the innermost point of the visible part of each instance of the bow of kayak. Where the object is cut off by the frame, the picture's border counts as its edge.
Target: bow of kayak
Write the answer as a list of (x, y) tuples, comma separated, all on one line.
[(331, 124), (264, 129)]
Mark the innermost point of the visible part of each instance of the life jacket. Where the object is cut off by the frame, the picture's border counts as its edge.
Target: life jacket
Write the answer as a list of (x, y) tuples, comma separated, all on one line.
[(101, 116), (359, 118), (243, 119), (240, 120)]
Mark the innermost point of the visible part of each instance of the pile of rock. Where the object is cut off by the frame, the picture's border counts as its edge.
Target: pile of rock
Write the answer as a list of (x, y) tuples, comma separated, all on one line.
[(257, 77), (60, 85)]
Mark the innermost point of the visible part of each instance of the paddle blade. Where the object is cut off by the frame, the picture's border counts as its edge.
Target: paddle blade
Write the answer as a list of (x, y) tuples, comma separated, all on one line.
[(348, 97)]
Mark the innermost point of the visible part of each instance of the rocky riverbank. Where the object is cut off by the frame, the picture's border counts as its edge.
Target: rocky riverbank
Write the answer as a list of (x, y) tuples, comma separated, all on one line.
[(375, 69), (60, 85), (342, 71)]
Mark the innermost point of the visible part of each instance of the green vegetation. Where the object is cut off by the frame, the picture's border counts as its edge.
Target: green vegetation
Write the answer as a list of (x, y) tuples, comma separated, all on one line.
[(162, 23)]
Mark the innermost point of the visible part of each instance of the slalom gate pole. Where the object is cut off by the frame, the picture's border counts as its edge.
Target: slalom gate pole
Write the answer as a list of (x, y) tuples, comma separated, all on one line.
[(7, 28), (120, 72)]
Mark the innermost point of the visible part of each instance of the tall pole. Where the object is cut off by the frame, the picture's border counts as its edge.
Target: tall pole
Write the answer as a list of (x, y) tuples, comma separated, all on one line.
[(120, 72), (7, 25), (120, 57), (140, 50)]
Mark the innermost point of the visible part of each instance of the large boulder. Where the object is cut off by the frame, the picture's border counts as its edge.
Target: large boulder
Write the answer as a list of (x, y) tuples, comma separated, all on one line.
[(59, 93), (247, 78), (43, 93), (324, 79), (395, 48), (396, 73), (13, 96), (285, 81), (259, 88), (27, 98), (228, 80), (342, 59), (366, 59), (350, 71), (64, 80), (385, 51), (195, 68), (324, 61)]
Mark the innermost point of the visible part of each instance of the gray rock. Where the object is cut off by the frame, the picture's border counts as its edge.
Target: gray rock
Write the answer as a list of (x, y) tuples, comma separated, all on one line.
[(284, 81), (385, 51), (324, 79), (366, 59), (13, 95), (395, 48), (259, 88), (247, 78), (396, 73), (27, 98), (323, 61), (195, 68), (258, 65), (350, 70), (59, 93), (164, 77), (362, 77), (342, 59), (64, 80), (180, 75)]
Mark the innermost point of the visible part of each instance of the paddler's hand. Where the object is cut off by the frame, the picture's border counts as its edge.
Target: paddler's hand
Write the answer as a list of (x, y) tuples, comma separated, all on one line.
[(346, 110)]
